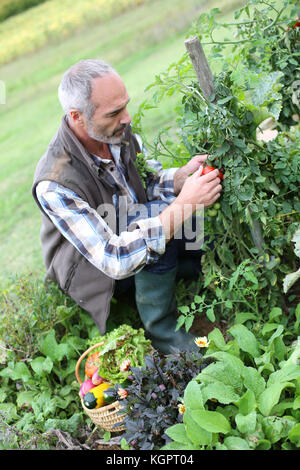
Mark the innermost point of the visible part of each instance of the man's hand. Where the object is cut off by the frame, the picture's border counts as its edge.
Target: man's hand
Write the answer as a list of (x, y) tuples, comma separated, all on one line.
[(197, 190), (187, 170), (200, 189)]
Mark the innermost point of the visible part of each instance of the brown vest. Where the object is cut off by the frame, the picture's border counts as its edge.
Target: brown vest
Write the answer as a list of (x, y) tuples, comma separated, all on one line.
[(68, 163)]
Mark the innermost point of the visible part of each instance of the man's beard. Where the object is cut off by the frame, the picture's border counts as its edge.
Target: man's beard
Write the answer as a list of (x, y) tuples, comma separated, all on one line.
[(99, 137)]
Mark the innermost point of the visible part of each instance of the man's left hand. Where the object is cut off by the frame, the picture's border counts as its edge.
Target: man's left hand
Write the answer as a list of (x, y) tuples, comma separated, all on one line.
[(187, 170)]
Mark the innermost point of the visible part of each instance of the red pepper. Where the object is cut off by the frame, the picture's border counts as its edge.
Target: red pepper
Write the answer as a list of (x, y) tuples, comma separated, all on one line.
[(296, 25)]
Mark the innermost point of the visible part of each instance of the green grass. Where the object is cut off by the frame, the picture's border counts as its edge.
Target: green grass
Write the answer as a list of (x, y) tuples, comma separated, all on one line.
[(139, 43)]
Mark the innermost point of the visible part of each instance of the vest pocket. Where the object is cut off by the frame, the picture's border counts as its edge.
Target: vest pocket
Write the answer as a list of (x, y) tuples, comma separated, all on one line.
[(64, 265), (69, 277)]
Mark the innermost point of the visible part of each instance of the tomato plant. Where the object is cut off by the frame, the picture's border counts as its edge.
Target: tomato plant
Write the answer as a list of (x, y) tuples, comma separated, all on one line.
[(247, 398), (259, 205)]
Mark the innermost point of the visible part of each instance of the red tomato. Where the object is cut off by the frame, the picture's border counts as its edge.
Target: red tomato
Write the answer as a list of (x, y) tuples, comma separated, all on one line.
[(92, 364), (208, 169)]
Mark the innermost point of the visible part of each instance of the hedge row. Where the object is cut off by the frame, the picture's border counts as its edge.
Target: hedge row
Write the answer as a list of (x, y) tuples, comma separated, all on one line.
[(13, 7)]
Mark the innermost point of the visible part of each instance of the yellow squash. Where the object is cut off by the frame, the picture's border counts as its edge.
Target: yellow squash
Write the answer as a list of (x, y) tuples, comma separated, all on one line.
[(94, 398)]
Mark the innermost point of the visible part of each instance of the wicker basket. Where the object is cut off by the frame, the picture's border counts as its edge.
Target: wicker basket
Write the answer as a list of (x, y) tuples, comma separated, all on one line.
[(106, 416)]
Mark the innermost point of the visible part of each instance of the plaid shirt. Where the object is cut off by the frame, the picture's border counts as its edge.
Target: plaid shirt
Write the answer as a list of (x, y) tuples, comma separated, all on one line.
[(116, 255)]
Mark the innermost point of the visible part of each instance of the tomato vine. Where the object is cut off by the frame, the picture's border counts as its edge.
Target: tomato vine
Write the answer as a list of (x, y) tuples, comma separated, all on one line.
[(258, 79)]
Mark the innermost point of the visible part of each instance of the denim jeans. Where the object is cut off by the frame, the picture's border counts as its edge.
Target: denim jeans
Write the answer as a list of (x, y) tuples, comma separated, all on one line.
[(175, 255)]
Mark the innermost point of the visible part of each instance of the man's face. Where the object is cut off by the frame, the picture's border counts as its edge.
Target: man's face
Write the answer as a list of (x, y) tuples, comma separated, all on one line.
[(111, 116)]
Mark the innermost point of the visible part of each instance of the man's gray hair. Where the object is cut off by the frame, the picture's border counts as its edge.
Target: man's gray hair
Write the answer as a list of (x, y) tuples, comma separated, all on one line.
[(75, 89)]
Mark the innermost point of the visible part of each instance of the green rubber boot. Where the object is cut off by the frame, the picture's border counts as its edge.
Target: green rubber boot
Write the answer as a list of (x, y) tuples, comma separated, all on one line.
[(156, 305)]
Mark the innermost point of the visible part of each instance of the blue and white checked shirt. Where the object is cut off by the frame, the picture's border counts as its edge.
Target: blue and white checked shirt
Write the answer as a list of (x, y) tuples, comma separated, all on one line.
[(117, 256)]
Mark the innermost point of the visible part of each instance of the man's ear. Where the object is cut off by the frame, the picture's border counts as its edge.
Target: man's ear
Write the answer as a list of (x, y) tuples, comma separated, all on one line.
[(76, 117)]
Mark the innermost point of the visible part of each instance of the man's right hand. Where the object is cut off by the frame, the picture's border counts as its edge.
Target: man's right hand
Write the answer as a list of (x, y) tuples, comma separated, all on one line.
[(197, 190), (200, 189)]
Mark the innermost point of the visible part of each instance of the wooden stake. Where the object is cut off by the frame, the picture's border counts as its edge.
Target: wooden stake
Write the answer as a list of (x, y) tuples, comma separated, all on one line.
[(200, 64)]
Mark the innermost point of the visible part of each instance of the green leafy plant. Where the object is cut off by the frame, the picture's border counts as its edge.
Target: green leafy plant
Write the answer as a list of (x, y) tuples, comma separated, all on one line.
[(150, 400), (143, 168), (259, 209), (247, 398), (232, 295), (42, 333), (42, 393)]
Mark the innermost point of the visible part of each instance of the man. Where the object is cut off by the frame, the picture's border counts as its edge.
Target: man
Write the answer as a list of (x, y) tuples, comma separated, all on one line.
[(88, 168)]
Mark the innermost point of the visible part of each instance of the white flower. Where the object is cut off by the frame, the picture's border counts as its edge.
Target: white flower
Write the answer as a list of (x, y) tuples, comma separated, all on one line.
[(202, 342)]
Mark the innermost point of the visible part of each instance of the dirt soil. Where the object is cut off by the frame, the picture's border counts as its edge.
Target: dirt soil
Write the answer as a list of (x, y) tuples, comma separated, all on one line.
[(202, 326)]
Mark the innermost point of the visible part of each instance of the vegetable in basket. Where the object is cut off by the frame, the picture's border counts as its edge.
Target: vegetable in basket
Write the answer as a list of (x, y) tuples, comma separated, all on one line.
[(85, 387), (92, 364), (95, 397), (97, 379), (122, 347)]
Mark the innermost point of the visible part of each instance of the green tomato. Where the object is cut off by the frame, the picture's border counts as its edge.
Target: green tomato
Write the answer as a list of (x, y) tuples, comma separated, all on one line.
[(212, 212), (216, 206)]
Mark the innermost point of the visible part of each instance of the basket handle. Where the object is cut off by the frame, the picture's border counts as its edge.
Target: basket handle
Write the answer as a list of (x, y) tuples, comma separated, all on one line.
[(81, 359)]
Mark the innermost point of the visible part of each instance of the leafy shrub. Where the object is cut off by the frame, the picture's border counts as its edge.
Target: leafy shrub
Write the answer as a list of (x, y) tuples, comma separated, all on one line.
[(248, 247), (13, 7), (248, 397), (30, 309), (34, 28), (42, 334), (151, 398)]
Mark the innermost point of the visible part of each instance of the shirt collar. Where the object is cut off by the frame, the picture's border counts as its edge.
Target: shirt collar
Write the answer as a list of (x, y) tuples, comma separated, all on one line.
[(115, 150)]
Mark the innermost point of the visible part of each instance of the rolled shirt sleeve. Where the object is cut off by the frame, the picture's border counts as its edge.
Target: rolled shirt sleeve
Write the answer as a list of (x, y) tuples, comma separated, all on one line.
[(160, 184)]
